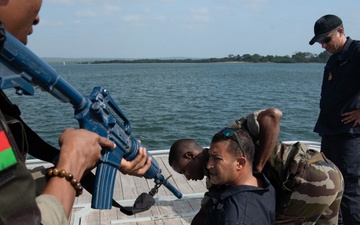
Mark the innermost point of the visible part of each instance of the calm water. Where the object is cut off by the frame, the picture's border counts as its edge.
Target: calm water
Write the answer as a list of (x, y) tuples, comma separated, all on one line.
[(165, 102)]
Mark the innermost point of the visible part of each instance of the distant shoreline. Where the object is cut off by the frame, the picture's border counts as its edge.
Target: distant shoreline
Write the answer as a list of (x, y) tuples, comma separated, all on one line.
[(300, 57)]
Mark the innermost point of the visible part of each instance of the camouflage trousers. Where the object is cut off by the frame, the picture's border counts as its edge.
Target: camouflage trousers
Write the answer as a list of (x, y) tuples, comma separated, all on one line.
[(313, 195)]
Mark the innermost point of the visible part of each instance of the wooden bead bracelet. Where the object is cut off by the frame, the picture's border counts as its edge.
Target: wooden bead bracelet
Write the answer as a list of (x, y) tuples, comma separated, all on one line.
[(54, 172)]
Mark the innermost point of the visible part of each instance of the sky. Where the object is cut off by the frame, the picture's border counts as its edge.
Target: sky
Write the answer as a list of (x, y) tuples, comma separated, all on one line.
[(133, 29)]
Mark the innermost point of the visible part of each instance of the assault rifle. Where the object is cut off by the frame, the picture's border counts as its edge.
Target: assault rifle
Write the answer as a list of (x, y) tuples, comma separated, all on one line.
[(21, 69)]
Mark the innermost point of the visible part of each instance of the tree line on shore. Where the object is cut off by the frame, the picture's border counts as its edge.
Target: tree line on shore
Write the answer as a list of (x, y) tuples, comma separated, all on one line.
[(298, 57)]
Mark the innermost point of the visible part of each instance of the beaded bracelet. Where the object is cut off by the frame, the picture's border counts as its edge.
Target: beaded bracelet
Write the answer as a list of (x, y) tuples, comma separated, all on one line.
[(54, 172)]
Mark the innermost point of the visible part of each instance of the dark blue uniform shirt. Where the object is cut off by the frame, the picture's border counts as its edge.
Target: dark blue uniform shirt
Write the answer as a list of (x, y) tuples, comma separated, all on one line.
[(340, 91), (243, 204)]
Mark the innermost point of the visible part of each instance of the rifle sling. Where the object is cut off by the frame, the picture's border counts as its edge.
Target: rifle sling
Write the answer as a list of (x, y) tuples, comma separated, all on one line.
[(143, 202)]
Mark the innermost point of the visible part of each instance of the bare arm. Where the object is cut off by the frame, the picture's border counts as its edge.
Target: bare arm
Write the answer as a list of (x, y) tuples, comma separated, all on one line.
[(269, 122)]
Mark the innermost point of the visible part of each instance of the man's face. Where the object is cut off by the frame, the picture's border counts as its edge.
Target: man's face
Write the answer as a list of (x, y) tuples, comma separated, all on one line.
[(332, 42), (191, 167), (222, 165), (19, 16)]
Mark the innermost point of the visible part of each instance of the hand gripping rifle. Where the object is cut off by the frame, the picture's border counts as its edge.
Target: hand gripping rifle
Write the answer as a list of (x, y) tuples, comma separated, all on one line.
[(22, 69)]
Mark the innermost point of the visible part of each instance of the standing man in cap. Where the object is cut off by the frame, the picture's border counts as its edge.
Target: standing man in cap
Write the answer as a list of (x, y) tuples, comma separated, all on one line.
[(338, 121)]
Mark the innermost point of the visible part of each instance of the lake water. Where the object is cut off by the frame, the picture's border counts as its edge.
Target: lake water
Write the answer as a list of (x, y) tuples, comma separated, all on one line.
[(167, 101)]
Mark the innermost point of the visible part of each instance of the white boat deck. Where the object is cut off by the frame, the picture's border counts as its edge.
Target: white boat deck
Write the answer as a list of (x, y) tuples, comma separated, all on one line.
[(167, 210)]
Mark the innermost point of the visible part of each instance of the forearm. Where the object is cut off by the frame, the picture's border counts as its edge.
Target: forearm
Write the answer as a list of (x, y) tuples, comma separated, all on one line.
[(63, 191), (269, 122), (50, 204), (60, 187)]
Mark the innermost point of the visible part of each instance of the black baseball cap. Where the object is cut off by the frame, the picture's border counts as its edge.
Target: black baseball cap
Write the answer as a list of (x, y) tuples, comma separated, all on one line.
[(323, 26)]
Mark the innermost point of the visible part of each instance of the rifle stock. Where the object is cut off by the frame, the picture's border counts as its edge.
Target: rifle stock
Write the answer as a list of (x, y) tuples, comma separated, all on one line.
[(21, 69)]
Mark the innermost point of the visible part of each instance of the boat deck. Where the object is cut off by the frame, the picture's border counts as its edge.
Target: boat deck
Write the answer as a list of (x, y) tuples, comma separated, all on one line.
[(167, 210)]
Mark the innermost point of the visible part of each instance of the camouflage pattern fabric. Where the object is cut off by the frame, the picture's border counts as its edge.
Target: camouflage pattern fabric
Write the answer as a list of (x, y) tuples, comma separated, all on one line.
[(309, 186)]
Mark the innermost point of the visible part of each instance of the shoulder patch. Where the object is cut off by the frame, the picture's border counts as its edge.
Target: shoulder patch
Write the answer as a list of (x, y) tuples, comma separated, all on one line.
[(7, 154)]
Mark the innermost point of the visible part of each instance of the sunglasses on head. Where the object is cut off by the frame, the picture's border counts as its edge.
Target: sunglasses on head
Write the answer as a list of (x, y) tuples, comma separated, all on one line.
[(229, 132)]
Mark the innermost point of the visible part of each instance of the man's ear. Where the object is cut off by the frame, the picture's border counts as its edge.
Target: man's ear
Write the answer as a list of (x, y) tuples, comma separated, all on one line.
[(189, 155), (240, 162), (341, 30)]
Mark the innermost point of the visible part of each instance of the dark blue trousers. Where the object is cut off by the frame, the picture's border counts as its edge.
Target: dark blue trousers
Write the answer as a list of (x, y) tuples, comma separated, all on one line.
[(344, 151)]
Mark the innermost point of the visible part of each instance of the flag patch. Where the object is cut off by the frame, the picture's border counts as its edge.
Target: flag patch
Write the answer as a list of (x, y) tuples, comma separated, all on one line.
[(7, 154)]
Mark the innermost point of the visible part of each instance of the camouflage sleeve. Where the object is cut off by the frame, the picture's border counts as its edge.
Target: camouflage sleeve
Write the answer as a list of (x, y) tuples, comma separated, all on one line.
[(52, 212), (252, 125), (39, 177)]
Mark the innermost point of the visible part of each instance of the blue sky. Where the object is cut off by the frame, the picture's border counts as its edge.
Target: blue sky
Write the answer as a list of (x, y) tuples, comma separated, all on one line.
[(183, 28)]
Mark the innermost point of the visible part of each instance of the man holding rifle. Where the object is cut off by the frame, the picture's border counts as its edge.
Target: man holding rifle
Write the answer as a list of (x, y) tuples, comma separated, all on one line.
[(80, 149)]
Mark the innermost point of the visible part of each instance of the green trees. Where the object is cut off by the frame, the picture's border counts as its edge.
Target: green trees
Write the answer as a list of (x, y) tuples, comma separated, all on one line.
[(298, 57)]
